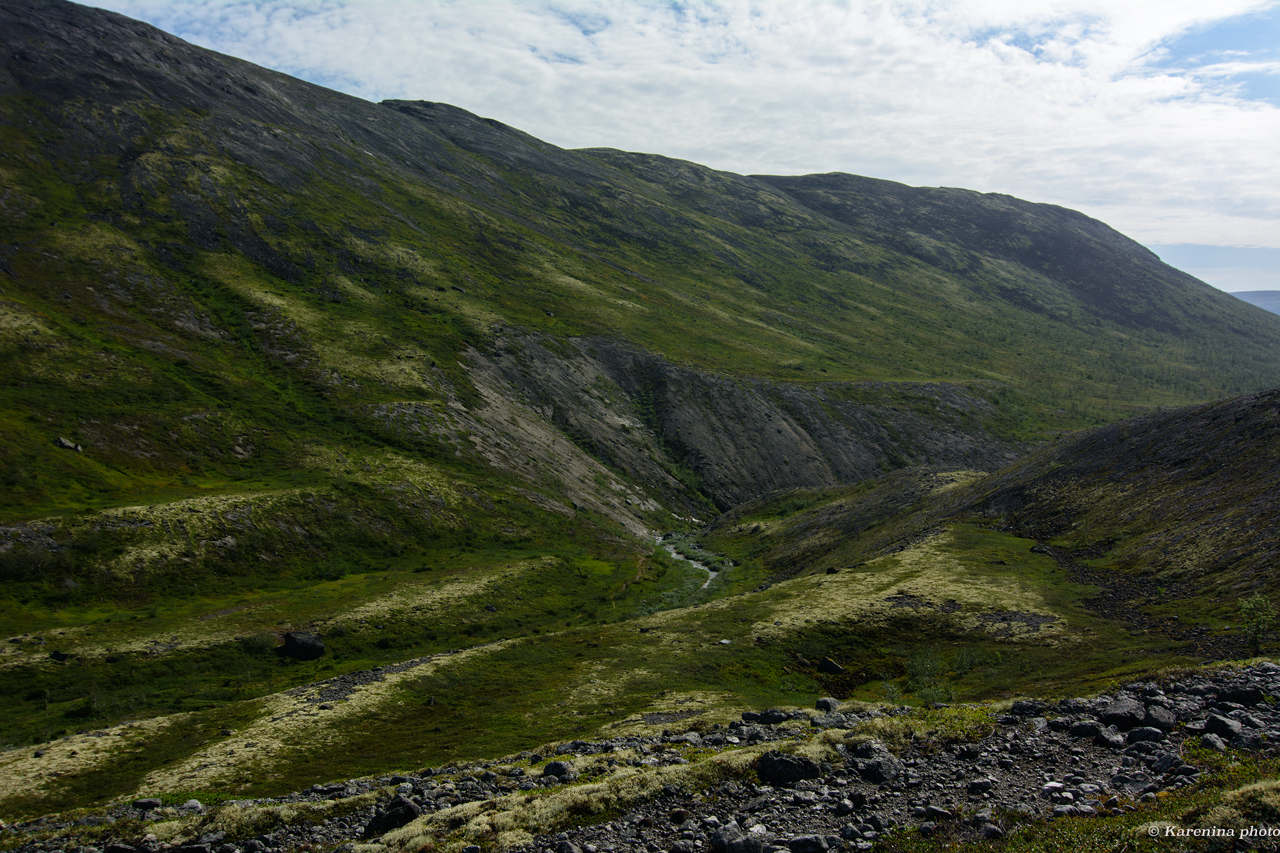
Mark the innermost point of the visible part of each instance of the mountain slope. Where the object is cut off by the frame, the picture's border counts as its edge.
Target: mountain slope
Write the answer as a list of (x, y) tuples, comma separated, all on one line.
[(275, 359), (1182, 500)]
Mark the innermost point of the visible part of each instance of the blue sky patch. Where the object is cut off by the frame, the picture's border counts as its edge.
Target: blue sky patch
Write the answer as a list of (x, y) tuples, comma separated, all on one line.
[(1243, 53)]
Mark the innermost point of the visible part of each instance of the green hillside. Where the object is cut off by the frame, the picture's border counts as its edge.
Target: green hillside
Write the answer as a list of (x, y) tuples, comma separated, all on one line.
[(276, 359)]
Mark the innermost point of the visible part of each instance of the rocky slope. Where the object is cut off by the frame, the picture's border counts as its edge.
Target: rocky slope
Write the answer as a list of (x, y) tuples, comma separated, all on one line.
[(1150, 758)]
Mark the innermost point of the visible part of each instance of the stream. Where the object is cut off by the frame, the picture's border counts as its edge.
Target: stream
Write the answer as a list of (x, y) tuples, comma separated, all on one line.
[(673, 552)]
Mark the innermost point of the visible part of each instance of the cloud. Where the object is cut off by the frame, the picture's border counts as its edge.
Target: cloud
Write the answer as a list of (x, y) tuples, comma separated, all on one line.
[(1088, 104)]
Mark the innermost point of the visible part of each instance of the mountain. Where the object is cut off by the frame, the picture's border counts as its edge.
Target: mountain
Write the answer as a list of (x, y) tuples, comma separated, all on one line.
[(1268, 300), (1180, 499), (278, 361)]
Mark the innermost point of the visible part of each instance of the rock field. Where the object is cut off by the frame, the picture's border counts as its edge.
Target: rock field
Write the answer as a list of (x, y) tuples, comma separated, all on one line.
[(1076, 758)]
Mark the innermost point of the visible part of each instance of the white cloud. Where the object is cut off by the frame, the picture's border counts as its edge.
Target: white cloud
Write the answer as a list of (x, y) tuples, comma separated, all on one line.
[(1060, 101)]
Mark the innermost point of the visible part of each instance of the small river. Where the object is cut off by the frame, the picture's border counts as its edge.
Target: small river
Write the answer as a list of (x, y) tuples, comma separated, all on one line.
[(673, 552)]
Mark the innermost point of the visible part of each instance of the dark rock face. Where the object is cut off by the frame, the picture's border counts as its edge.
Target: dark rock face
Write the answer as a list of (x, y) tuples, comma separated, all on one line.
[(742, 437), (302, 646)]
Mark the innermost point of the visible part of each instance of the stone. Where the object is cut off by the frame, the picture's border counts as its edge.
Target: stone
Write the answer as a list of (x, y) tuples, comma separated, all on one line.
[(724, 835), (829, 721), (877, 763), (1145, 734), (1224, 726), (808, 844), (827, 705), (779, 768), (991, 832), (1161, 718), (299, 646), (830, 667), (1109, 737), (399, 812), (1211, 741), (749, 843), (1085, 728), (1125, 713), (1247, 696), (558, 769), (147, 803)]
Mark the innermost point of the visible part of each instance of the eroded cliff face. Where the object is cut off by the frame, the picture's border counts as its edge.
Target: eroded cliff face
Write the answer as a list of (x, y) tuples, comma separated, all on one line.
[(684, 437)]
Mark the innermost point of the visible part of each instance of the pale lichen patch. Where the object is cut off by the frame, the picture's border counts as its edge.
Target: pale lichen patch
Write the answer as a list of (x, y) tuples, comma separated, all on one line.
[(293, 723), (38, 768), (929, 573), (424, 598)]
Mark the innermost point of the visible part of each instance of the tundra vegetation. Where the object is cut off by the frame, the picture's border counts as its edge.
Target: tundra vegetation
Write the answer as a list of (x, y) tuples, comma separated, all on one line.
[(276, 359)]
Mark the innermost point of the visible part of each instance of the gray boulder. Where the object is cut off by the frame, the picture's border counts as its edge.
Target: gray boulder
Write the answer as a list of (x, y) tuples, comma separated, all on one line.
[(399, 812), (779, 768), (876, 763), (1223, 726), (299, 646), (1125, 713), (558, 769)]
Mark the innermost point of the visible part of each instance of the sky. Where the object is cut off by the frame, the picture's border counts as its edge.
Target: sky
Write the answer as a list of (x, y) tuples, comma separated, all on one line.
[(1159, 117)]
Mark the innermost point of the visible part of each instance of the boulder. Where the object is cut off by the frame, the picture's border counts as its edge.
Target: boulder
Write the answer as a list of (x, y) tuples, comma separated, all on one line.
[(399, 812), (779, 768), (1125, 713), (772, 716), (827, 705), (1222, 726), (1109, 737), (1212, 741), (876, 763), (724, 836), (301, 646), (830, 667), (1160, 718), (809, 844), (1085, 728), (558, 769), (1247, 696), (1148, 734)]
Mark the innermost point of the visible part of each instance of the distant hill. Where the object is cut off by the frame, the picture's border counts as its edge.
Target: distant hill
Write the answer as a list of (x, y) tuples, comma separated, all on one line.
[(1268, 299)]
